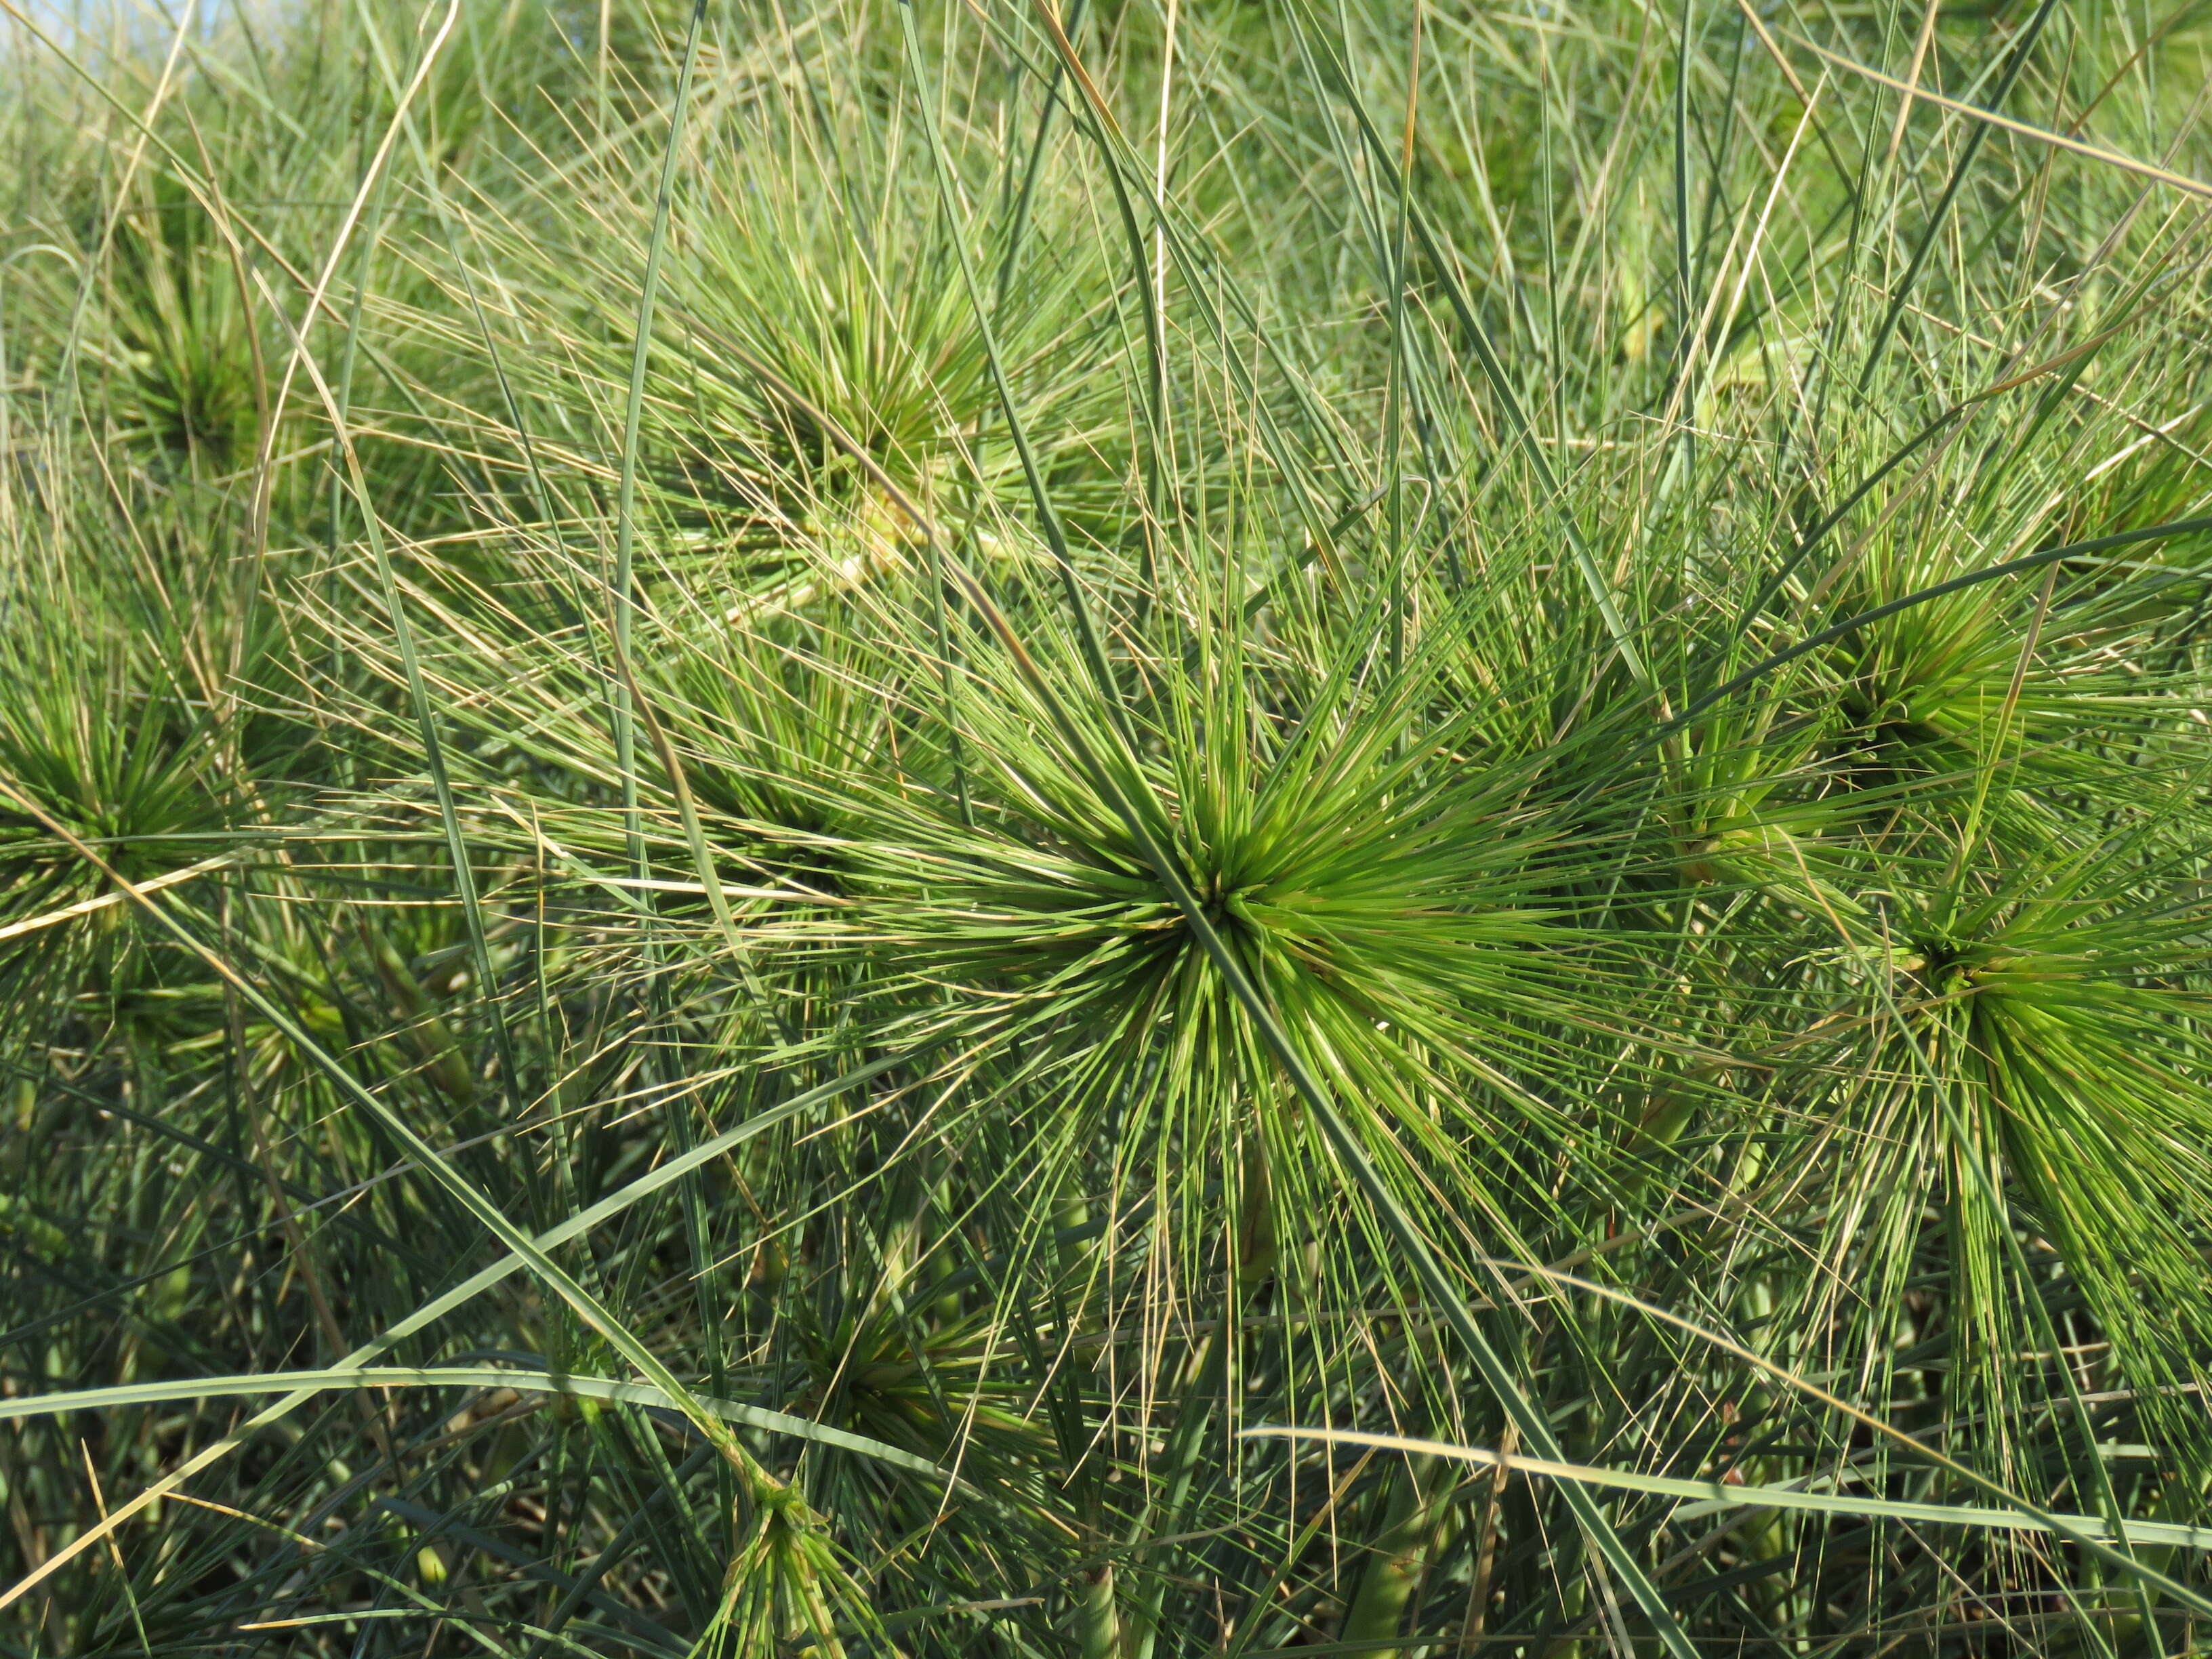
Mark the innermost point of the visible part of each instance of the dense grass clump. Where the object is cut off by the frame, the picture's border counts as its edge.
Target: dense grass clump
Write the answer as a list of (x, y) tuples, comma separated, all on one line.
[(1140, 830)]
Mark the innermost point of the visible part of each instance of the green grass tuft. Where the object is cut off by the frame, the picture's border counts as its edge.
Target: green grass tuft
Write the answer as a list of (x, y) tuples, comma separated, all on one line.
[(1169, 830)]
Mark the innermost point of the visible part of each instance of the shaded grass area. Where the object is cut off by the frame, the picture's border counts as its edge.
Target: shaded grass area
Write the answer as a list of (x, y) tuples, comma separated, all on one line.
[(1165, 829)]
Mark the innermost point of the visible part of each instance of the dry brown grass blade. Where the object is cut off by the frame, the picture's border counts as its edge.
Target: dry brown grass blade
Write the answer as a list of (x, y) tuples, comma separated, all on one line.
[(106, 901), (2005, 123)]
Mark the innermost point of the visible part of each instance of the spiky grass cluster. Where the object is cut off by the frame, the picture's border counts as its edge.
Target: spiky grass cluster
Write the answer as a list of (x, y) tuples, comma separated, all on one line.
[(788, 798)]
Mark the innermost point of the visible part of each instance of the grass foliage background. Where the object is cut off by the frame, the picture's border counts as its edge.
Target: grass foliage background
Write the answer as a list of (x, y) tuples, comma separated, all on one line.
[(789, 793)]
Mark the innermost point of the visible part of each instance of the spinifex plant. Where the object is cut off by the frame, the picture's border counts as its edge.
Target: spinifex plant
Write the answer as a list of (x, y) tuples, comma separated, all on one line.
[(1141, 830)]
